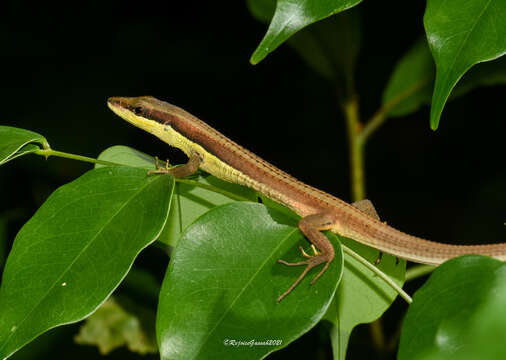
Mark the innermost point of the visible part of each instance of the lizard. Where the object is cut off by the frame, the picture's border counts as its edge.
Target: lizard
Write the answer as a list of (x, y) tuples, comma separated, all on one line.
[(216, 154)]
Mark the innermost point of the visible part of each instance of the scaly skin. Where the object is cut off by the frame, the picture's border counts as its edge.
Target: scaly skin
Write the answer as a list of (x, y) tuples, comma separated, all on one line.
[(223, 158)]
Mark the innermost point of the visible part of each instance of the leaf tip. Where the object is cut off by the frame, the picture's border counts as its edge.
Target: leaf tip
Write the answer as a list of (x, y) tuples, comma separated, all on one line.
[(258, 55), (435, 116)]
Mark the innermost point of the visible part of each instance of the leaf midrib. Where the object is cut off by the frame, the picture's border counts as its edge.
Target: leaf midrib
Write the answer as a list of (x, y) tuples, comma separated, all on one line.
[(225, 313), (18, 326), (464, 42)]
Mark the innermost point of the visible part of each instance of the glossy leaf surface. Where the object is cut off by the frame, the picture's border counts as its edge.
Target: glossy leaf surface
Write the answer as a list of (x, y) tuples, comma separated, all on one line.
[(410, 85), (15, 142), (362, 296), (461, 34), (128, 156), (458, 313), (189, 201), (330, 47), (75, 250), (291, 16), (223, 281)]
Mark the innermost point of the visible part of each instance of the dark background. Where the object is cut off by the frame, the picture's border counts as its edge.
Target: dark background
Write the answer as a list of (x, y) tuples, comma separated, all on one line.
[(59, 65)]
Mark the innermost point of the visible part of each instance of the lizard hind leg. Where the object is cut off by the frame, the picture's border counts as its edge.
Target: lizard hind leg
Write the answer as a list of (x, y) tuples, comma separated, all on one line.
[(311, 227), (368, 208)]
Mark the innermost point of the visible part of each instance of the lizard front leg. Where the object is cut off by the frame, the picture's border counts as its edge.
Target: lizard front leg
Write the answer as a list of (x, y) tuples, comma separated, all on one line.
[(311, 226), (187, 169)]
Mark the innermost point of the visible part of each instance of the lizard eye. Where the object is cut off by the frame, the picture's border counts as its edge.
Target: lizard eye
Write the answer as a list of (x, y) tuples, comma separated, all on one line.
[(138, 110)]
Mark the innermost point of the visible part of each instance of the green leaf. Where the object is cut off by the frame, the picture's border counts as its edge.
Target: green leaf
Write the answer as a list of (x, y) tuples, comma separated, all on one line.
[(293, 15), (113, 326), (223, 281), (410, 84), (362, 297), (190, 202), (3, 242), (461, 34), (125, 155), (18, 142), (458, 313), (75, 250), (271, 204), (262, 10), (484, 74), (329, 47)]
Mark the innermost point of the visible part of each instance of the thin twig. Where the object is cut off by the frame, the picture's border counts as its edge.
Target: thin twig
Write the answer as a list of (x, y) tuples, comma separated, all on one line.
[(378, 272), (50, 152), (382, 114)]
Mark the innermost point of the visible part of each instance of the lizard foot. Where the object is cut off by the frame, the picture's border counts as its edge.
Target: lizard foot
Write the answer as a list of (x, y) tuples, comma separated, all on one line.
[(380, 256), (159, 169), (310, 263), (378, 260)]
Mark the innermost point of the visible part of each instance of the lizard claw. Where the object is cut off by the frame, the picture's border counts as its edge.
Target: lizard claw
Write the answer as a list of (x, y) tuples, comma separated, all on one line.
[(306, 255), (159, 169), (378, 260), (310, 263)]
